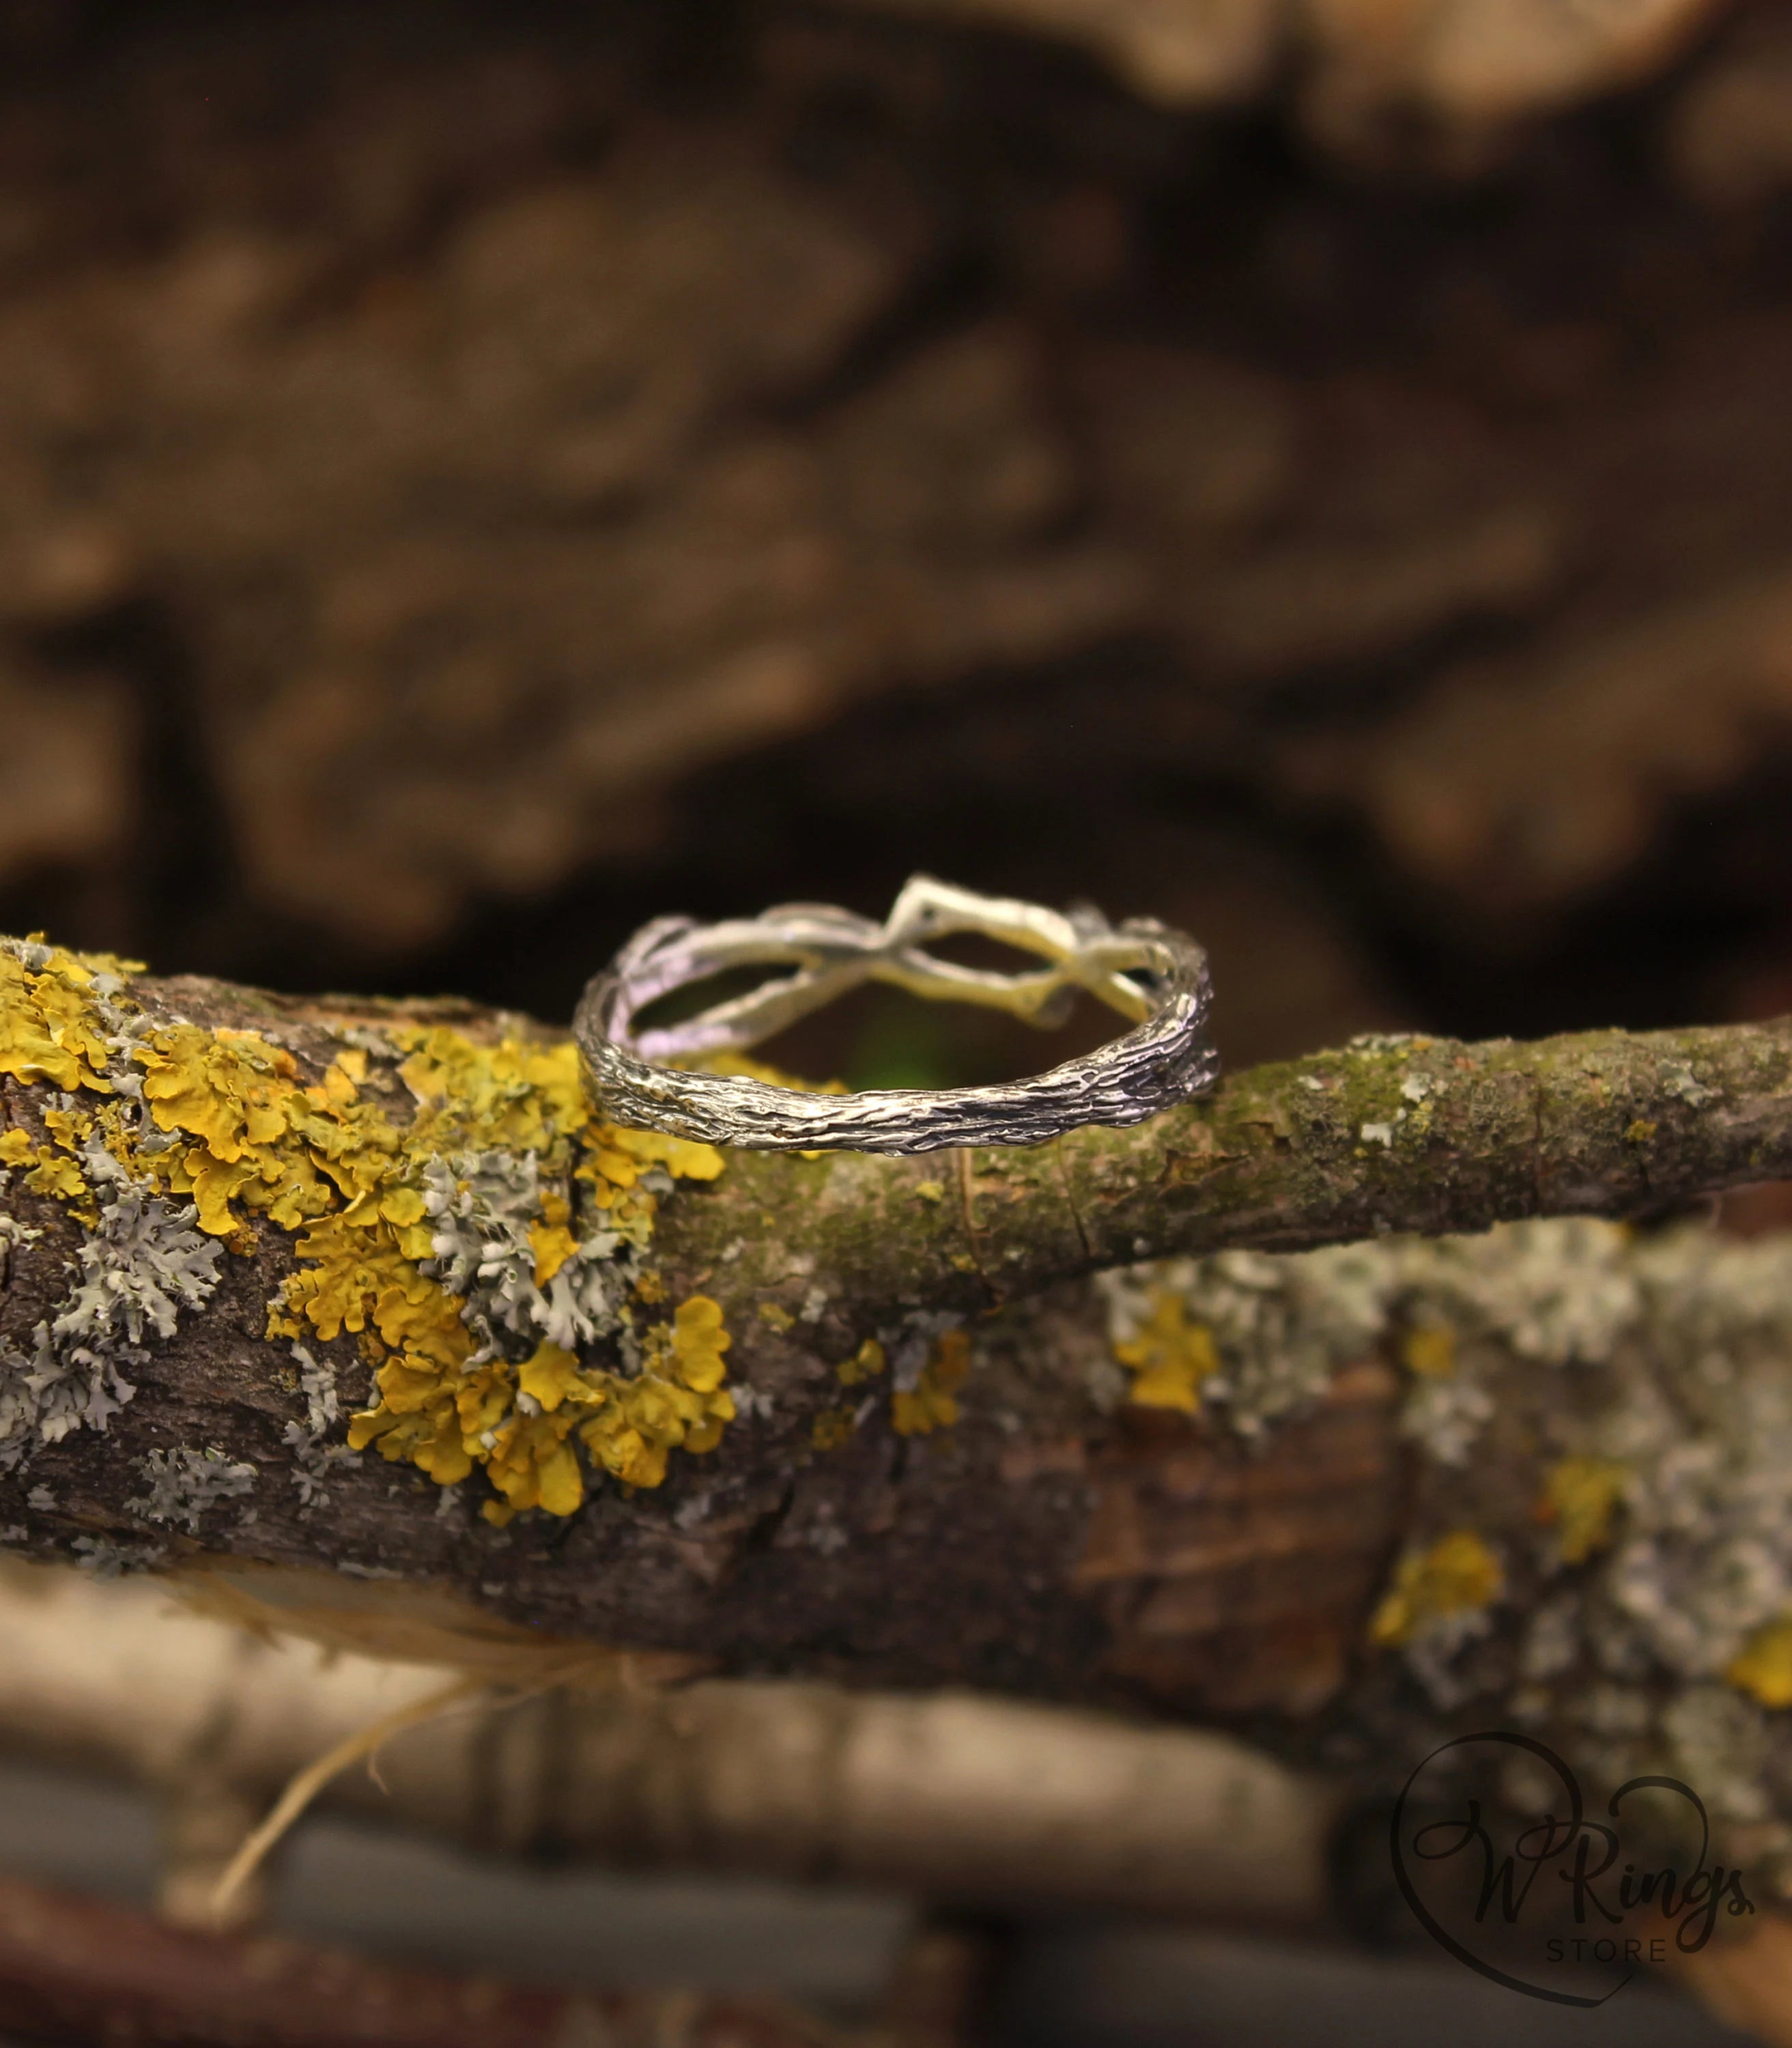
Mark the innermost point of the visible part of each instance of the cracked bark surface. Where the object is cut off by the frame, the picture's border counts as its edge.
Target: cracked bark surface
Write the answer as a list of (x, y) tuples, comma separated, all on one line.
[(986, 1553)]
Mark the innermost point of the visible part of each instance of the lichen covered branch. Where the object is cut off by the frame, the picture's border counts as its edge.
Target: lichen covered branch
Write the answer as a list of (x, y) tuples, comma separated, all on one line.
[(1388, 1134), (370, 1286)]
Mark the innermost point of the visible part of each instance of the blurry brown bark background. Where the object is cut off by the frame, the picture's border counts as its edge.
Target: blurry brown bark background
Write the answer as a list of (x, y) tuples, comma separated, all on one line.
[(475, 477), (470, 478)]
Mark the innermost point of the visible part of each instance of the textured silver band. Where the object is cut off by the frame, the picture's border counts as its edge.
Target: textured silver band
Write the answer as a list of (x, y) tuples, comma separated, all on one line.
[(1153, 976)]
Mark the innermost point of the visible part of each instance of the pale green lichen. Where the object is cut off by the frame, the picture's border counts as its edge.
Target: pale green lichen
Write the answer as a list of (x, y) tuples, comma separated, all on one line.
[(1282, 1327)]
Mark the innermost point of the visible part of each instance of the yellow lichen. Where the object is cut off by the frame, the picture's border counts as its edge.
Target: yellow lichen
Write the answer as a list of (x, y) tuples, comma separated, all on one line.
[(550, 1240), (833, 1427), (865, 1363), (1580, 1496), (431, 1412), (55, 1175), (1459, 1574), (1764, 1667), (48, 1029), (628, 1424), (334, 1165), (932, 1404), (70, 1128), (1429, 1349), (1171, 1356)]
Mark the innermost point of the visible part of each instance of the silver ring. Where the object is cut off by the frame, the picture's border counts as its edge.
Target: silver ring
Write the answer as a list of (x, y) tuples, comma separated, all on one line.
[(1156, 977)]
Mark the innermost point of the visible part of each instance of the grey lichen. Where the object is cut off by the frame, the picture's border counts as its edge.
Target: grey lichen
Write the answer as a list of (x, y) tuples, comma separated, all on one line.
[(1283, 1327), (1701, 1425), (314, 1458), (142, 1264), (102, 1558), (481, 1207), (1609, 1414), (139, 1268), (1448, 1412), (1434, 1654), (1642, 1648), (1560, 1293), (909, 1343), (59, 1387), (13, 1234), (182, 1484)]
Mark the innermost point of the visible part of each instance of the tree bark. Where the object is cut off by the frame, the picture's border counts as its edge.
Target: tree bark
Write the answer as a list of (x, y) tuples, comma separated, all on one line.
[(1006, 1552)]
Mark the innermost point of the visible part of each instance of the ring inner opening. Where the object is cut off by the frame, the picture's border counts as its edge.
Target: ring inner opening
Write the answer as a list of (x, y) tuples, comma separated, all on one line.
[(878, 1037)]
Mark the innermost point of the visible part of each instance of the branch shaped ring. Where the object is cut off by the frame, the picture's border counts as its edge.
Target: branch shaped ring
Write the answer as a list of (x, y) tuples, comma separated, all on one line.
[(1156, 977)]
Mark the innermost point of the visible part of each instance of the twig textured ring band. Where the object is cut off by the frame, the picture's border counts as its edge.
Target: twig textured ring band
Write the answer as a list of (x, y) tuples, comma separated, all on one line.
[(1151, 974)]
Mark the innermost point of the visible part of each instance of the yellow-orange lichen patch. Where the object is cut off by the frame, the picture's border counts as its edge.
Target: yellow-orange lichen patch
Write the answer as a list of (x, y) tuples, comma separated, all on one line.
[(1763, 1669), (242, 1135), (1170, 1357), (832, 1428), (1581, 1497), (1427, 1351), (627, 1423), (431, 1410), (50, 1028), (865, 1363), (1457, 1575), (933, 1404)]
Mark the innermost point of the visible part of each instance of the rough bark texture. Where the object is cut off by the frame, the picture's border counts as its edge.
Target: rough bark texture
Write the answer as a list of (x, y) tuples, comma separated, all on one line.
[(817, 1540)]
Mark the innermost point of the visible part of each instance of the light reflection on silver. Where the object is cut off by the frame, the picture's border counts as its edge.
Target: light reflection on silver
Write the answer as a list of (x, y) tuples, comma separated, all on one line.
[(1154, 976)]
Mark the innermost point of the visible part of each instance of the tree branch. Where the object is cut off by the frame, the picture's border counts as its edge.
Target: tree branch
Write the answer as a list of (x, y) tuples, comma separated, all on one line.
[(1389, 1134), (82, 1972), (837, 1524), (982, 1802)]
